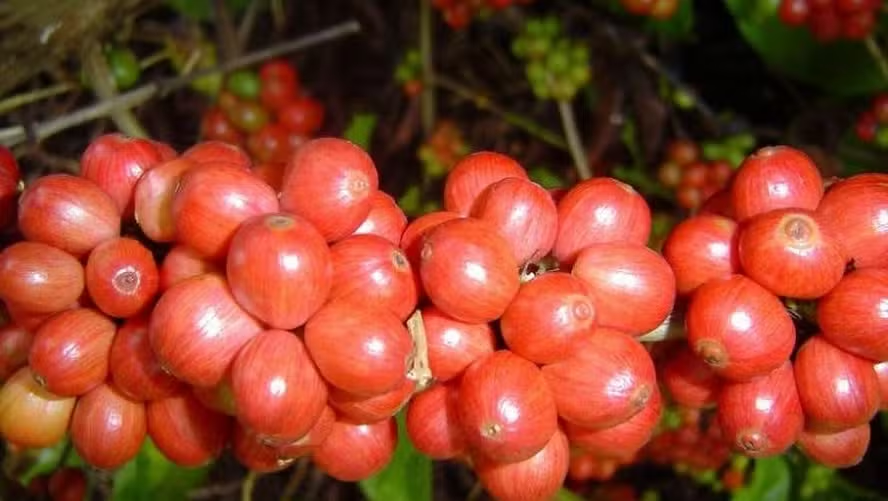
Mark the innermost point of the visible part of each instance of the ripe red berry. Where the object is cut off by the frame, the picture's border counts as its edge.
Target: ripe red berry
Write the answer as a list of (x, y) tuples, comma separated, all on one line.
[(506, 408), (775, 177), (739, 328)]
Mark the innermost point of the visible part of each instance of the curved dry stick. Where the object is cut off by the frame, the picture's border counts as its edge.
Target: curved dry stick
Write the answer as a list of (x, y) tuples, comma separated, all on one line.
[(17, 134)]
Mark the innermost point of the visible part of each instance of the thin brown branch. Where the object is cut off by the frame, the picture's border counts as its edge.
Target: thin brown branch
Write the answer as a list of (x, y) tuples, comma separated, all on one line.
[(17, 134), (33, 96)]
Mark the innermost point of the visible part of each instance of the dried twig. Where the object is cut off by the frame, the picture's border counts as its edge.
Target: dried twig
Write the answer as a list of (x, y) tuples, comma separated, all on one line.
[(580, 159), (17, 134)]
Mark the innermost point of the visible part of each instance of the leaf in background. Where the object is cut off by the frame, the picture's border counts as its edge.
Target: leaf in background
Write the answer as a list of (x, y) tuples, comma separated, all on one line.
[(202, 10), (545, 177), (407, 478), (770, 481), (567, 495), (843, 68), (43, 461), (151, 477), (360, 129), (680, 25)]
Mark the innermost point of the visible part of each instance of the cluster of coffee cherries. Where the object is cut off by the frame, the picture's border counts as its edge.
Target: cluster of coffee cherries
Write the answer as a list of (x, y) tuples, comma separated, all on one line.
[(180, 297), (532, 361), (831, 20), (265, 112), (693, 178), (872, 123), (656, 9), (459, 13), (783, 243)]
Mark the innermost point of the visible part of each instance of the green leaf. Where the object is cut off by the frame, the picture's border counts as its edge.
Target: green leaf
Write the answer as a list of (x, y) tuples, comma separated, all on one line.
[(545, 177), (771, 481), (844, 68), (360, 129), (407, 478), (202, 10), (567, 495), (46, 460), (151, 476)]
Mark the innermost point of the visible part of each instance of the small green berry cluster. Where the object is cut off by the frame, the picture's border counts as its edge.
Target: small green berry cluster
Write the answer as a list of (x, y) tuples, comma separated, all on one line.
[(557, 67)]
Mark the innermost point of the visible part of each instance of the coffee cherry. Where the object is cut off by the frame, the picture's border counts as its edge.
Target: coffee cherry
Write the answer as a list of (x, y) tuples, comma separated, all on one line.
[(31, 416), (133, 367), (70, 352), (107, 429), (212, 201), (523, 213), (197, 328), (278, 392), (740, 329), (775, 177), (67, 484), (121, 277), (600, 210), (432, 422), (851, 315), (506, 408), (68, 212), (301, 115), (537, 477), (252, 451), (153, 199), (39, 278), (852, 210), (473, 174), (689, 380), (841, 449), (788, 252), (762, 417), (702, 248), (371, 268), (621, 276), (115, 163), (353, 452), (608, 379), (386, 219), (468, 270), (279, 268), (10, 183), (621, 441), (363, 409), (329, 182), (218, 153), (548, 316), (185, 431), (837, 390), (357, 347), (452, 344), (15, 344)]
